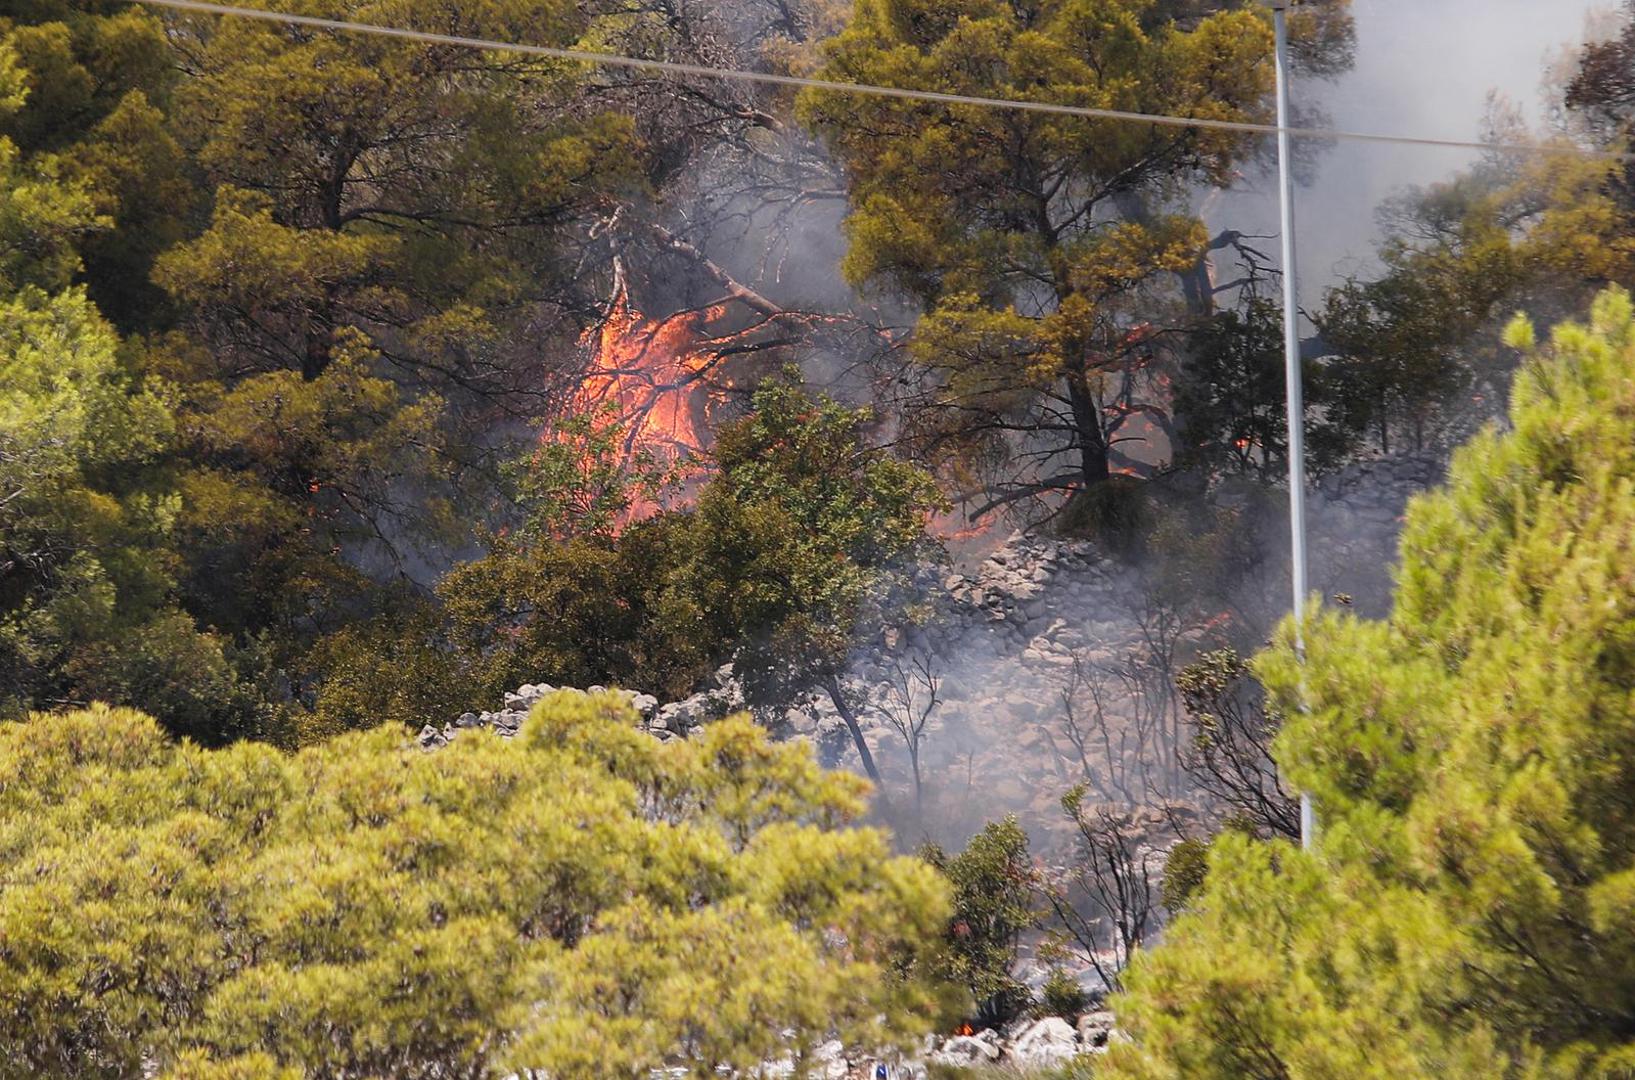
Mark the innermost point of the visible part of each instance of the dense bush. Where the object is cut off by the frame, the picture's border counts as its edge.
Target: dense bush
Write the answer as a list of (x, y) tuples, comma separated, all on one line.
[(995, 894), (583, 900), (1469, 909)]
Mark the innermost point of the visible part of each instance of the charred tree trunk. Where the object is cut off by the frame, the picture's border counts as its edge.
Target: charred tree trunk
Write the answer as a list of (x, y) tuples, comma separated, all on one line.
[(315, 355), (320, 333), (1093, 463)]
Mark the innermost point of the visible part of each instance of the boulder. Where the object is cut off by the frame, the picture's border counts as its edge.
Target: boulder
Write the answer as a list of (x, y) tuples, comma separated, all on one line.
[(1046, 1042), (968, 1050), (1095, 1028)]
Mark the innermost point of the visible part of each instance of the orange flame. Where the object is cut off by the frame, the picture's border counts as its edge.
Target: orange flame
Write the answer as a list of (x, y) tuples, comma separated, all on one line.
[(651, 374)]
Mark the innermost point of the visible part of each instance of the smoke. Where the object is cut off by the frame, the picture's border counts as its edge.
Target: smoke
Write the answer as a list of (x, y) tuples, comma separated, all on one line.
[(1422, 69), (1048, 664), (1027, 640)]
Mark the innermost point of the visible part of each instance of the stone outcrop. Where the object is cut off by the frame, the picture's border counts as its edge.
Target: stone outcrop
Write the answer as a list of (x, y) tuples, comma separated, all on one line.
[(1005, 639)]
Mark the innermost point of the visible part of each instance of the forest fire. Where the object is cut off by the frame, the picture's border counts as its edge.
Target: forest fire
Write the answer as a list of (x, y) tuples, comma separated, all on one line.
[(651, 376)]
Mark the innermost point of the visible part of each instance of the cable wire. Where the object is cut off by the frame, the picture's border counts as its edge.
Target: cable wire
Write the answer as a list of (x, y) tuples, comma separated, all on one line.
[(801, 82)]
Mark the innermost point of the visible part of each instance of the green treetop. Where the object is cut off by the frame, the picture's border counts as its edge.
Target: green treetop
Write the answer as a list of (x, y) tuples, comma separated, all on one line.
[(1468, 908), (1035, 244), (88, 574), (98, 78), (582, 901), (43, 215), (376, 265), (804, 541), (408, 191)]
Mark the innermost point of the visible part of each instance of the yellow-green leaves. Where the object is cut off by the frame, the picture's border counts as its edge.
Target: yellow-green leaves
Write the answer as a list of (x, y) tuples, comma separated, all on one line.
[(249, 262), (89, 609), (1473, 763), (1032, 243), (65, 405), (582, 901), (43, 219)]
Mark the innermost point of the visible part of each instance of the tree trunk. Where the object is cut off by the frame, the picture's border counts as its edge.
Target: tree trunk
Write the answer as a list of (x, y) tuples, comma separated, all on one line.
[(832, 685), (331, 197), (919, 785), (1093, 465), (315, 357)]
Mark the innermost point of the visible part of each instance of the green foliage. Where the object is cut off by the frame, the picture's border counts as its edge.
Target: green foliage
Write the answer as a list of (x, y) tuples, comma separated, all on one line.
[(580, 482), (1184, 872), (592, 610), (313, 468), (87, 578), (1411, 348), (1014, 231), (1467, 909), (798, 542), (582, 901), (410, 192), (1063, 996), (806, 534), (995, 898), (99, 80), (90, 588), (319, 239), (1230, 406), (1120, 514), (44, 215), (43, 218), (394, 669), (1402, 355)]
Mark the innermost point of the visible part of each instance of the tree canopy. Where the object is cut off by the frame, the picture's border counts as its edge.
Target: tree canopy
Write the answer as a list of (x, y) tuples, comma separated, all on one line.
[(1466, 910), (584, 901), (1035, 246)]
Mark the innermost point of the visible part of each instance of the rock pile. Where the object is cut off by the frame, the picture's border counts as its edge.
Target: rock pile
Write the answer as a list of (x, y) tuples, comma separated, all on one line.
[(1010, 646), (1355, 518), (508, 720), (1024, 1045), (1029, 1044)]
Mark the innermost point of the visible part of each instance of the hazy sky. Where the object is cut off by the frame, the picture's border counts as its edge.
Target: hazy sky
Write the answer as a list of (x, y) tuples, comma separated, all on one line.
[(1424, 67)]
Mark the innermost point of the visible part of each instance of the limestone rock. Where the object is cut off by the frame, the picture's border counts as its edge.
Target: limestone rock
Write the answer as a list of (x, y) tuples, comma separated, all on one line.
[(968, 1050), (1046, 1042), (1095, 1027)]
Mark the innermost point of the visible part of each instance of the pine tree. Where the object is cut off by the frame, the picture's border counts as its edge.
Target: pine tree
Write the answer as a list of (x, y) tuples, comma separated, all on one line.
[(1468, 908), (1036, 246)]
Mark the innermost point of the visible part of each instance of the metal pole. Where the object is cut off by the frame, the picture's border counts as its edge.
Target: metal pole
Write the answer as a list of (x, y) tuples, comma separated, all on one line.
[(1291, 358)]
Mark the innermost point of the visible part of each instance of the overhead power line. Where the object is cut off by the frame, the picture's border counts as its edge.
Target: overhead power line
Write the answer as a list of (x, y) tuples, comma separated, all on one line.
[(800, 82)]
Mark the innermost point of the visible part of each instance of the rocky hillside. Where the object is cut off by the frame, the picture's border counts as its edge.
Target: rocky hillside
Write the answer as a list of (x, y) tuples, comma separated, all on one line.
[(1041, 666)]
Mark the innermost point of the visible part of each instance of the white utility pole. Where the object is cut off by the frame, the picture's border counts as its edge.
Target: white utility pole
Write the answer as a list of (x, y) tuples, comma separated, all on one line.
[(1291, 359)]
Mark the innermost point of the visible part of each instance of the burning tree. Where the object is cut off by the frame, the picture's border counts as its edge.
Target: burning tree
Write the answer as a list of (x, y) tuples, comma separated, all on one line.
[(663, 383)]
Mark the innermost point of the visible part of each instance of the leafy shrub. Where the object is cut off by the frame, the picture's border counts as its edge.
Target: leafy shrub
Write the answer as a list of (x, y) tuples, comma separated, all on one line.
[(1063, 996), (1184, 873), (995, 891), (583, 900)]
